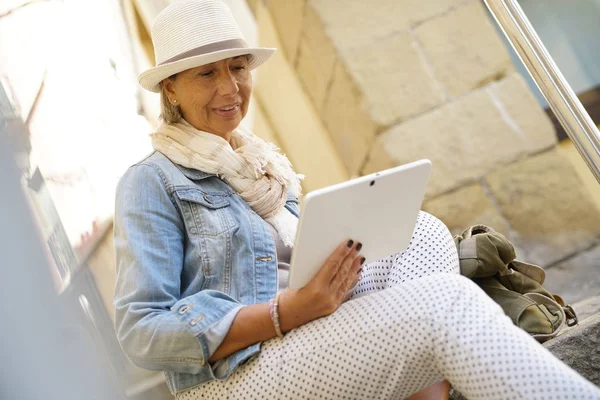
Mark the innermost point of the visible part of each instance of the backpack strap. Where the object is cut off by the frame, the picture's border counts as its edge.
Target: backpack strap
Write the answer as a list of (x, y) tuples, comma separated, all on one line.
[(554, 305)]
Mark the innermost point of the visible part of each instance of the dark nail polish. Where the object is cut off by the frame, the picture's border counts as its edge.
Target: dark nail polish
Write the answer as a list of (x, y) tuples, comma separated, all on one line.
[(362, 261), (350, 243), (358, 246), (359, 271)]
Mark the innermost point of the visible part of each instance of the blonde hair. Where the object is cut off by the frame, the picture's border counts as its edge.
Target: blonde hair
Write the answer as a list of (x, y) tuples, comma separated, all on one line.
[(168, 112)]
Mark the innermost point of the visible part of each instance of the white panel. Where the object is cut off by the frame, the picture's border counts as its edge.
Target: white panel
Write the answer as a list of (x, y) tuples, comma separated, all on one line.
[(27, 52)]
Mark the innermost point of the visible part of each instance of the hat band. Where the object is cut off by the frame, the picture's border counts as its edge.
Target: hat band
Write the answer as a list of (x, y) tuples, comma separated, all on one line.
[(208, 48)]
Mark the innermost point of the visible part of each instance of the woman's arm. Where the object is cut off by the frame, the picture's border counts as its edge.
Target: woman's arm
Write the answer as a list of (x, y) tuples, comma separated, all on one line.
[(156, 328), (252, 324)]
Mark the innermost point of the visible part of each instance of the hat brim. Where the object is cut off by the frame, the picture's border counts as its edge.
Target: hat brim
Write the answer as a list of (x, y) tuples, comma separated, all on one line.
[(150, 79)]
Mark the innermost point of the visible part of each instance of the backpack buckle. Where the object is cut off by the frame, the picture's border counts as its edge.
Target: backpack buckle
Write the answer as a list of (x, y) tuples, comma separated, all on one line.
[(571, 315)]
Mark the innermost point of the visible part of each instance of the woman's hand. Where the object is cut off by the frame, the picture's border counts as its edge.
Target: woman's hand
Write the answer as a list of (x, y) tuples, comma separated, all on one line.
[(326, 291), (322, 296)]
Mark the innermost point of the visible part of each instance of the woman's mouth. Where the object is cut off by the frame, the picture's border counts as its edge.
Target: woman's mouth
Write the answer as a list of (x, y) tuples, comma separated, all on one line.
[(227, 111)]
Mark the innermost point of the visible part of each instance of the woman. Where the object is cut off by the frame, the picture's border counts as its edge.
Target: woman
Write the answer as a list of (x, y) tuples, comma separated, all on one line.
[(203, 234)]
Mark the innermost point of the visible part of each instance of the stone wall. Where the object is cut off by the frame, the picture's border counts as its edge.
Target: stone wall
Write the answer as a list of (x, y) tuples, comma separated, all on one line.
[(398, 80)]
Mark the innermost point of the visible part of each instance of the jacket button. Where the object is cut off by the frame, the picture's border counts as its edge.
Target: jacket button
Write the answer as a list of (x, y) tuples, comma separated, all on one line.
[(182, 310), (207, 199)]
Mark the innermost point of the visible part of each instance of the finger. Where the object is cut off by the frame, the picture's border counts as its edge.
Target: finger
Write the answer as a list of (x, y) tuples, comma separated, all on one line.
[(353, 275), (347, 290), (360, 266), (344, 269), (352, 285), (347, 272), (333, 263)]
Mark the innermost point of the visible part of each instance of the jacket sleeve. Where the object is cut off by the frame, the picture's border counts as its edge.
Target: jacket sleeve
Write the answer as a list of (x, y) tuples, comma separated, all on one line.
[(156, 328)]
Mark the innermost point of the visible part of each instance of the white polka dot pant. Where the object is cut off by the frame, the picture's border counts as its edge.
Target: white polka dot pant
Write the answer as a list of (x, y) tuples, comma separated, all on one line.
[(412, 321)]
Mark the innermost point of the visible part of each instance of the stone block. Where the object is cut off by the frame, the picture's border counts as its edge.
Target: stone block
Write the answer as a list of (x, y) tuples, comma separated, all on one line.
[(291, 115), (568, 149), (262, 127), (578, 348), (464, 49), (577, 277), (464, 140), (519, 107), (380, 157), (316, 58), (347, 120), (465, 207), (252, 4), (288, 17), (375, 19), (392, 75), (545, 203)]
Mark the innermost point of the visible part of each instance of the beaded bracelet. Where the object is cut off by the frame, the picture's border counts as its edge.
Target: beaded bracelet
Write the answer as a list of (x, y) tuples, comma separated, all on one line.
[(274, 314), (271, 306)]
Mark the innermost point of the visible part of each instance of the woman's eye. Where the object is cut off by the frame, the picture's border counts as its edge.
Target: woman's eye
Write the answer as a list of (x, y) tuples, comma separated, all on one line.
[(239, 67), (207, 73)]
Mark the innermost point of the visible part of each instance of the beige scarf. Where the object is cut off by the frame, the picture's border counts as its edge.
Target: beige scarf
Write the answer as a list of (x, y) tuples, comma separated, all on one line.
[(252, 167)]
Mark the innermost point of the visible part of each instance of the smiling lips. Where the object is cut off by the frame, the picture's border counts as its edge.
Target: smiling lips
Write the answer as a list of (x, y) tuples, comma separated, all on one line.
[(227, 111)]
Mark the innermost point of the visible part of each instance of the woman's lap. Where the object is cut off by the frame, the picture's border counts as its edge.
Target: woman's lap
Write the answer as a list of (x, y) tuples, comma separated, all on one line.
[(366, 349)]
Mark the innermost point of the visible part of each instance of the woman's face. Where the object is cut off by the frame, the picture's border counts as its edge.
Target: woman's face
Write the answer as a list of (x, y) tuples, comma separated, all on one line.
[(214, 97)]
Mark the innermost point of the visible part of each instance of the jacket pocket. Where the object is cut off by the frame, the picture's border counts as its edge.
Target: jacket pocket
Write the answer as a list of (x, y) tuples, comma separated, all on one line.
[(205, 213)]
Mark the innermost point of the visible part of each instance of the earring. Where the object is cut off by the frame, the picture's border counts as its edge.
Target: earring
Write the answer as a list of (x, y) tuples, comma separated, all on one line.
[(174, 101)]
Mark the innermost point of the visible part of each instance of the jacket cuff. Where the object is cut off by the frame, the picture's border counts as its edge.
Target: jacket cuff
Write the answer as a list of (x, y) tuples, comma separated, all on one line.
[(208, 316)]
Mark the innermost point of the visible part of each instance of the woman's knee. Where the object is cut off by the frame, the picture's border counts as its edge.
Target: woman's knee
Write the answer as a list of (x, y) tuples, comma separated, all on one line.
[(429, 222), (432, 242)]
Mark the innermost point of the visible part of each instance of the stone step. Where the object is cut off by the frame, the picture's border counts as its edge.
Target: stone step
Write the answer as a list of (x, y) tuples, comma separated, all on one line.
[(576, 278), (579, 347)]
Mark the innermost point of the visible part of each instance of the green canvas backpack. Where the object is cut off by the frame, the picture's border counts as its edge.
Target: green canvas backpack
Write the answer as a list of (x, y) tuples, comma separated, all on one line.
[(489, 259)]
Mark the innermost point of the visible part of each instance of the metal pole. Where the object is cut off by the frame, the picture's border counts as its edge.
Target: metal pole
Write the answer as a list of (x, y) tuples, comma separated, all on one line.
[(553, 85)]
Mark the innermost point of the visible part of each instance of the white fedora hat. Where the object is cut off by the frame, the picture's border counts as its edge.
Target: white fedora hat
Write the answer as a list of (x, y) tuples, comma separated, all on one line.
[(191, 33)]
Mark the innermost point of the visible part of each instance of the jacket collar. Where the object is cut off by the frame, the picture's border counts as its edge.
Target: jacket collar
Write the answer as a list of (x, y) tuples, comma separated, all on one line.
[(190, 173), (194, 174)]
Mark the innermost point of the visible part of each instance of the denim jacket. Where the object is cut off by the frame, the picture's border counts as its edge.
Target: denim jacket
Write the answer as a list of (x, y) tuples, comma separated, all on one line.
[(190, 254)]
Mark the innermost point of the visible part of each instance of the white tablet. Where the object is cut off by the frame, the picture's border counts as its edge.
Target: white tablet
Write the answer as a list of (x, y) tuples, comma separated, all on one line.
[(379, 210)]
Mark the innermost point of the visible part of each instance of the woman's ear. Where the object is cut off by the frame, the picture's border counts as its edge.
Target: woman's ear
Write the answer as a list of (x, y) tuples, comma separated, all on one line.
[(169, 87)]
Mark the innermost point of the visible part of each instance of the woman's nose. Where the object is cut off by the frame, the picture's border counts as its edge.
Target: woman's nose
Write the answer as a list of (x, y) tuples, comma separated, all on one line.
[(227, 84)]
